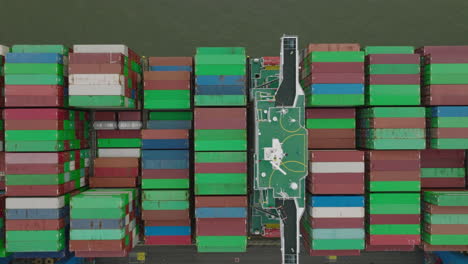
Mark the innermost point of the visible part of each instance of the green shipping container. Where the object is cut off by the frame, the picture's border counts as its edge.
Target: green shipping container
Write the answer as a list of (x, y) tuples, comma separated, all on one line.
[(165, 183), (389, 50), (221, 243), (393, 69), (395, 186), (172, 195), (220, 100), (449, 143), (34, 79), (170, 115), (34, 146), (220, 157), (220, 183), (330, 123), (167, 99), (119, 142), (392, 112), (220, 50), (221, 69), (220, 140), (336, 56), (34, 68), (443, 172), (337, 244), (447, 240), (398, 229), (61, 49), (335, 100), (165, 205)]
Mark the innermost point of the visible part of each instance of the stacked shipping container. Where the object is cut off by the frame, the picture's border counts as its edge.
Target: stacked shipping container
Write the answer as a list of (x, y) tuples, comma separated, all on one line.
[(220, 149), (448, 127), (391, 128), (445, 221), (220, 76), (444, 75), (104, 76), (392, 76), (443, 168), (36, 76), (331, 128), (117, 165), (104, 222), (168, 83), (333, 75)]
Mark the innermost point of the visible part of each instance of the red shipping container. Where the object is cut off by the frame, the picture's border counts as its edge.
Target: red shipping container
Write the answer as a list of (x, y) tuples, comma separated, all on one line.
[(337, 78), (394, 219), (446, 229), (96, 68), (97, 245), (391, 240), (13, 169), (336, 156), (33, 101), (393, 155), (443, 50), (129, 116), (320, 135), (167, 85), (168, 240), (442, 182), (337, 67), (334, 47), (40, 190), (166, 75), (43, 224), (389, 165), (165, 134), (96, 58), (378, 79), (165, 174), (452, 132), (446, 58), (334, 178), (333, 143), (178, 222), (116, 162), (220, 118), (390, 247), (232, 167), (116, 172), (428, 247), (393, 59), (221, 226), (220, 201), (37, 158), (165, 215), (118, 134), (170, 61), (442, 158), (115, 182), (39, 114), (314, 113), (399, 175), (336, 222), (36, 90)]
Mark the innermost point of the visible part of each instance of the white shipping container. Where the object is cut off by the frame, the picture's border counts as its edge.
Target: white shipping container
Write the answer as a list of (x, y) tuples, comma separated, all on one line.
[(336, 167), (96, 79), (130, 125), (106, 48), (85, 89), (119, 153), (336, 212), (35, 202), (105, 125)]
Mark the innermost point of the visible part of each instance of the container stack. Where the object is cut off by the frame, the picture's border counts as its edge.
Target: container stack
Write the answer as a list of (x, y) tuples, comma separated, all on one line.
[(392, 75), (448, 127), (334, 225), (443, 168), (3, 52), (333, 75), (46, 151), (169, 211), (221, 172), (2, 152), (444, 75), (336, 172), (36, 76), (104, 76), (331, 128), (3, 252), (393, 170), (391, 128), (118, 142), (38, 224), (103, 222), (393, 178), (220, 76), (221, 223), (445, 221), (393, 221), (168, 83), (166, 178)]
